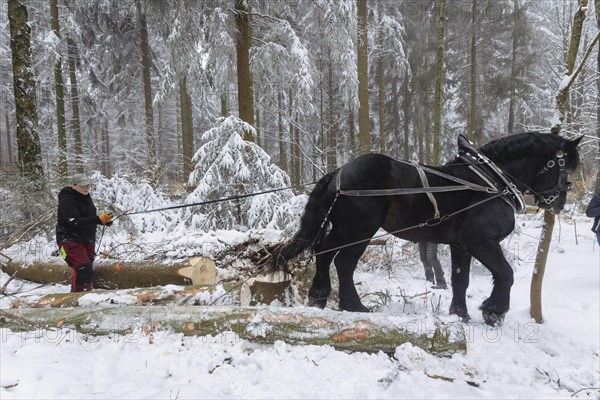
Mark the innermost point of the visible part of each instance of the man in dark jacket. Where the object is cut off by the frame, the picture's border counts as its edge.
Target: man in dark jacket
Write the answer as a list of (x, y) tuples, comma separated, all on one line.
[(76, 231), (593, 211)]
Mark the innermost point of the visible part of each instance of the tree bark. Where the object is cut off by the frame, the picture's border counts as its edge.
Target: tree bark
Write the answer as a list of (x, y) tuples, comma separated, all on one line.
[(406, 106), (303, 326), (61, 129), (283, 161), (381, 103), (364, 134), (295, 147), (148, 109), (245, 82), (74, 94), (513, 70), (439, 85), (106, 165), (331, 148), (597, 3), (9, 143), (472, 128), (187, 128), (28, 141)]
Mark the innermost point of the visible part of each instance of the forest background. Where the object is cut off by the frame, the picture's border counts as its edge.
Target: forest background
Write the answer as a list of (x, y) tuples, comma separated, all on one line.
[(135, 88)]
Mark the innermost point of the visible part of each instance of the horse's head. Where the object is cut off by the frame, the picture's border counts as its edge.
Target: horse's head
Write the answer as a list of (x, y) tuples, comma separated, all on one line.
[(551, 183), (539, 164)]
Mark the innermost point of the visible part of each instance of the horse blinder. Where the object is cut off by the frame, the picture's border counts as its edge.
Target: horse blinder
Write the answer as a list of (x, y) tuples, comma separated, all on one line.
[(562, 185)]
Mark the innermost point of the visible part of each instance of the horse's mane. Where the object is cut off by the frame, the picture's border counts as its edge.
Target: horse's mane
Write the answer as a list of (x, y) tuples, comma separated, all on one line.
[(529, 144)]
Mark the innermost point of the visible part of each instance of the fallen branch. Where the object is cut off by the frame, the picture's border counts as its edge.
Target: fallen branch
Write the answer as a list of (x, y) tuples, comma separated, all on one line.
[(3, 291)]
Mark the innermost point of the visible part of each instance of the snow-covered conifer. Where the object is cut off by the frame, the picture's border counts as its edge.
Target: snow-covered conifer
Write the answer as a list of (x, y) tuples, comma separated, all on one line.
[(226, 166)]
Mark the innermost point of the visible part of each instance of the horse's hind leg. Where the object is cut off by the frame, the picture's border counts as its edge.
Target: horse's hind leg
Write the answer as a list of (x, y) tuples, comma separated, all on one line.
[(461, 266), (495, 307)]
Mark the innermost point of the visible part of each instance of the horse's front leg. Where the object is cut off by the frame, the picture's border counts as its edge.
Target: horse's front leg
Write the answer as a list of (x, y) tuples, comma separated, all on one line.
[(321, 284), (461, 267), (345, 264), (494, 308)]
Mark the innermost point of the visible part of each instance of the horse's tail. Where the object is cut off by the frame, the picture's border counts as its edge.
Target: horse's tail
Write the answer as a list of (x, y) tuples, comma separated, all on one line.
[(311, 224)]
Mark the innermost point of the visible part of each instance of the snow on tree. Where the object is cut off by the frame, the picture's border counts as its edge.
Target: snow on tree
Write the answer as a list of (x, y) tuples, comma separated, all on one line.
[(121, 194), (226, 166)]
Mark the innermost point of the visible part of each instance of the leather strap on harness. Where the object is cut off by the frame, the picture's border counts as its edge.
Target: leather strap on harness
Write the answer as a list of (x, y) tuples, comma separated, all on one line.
[(490, 174), (436, 210)]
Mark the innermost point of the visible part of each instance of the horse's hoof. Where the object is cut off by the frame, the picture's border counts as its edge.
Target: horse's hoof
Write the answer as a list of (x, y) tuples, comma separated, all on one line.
[(440, 286), (319, 303), (461, 312), (355, 308), (493, 319)]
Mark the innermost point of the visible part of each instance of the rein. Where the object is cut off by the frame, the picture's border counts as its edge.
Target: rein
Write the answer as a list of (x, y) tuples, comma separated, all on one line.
[(230, 198)]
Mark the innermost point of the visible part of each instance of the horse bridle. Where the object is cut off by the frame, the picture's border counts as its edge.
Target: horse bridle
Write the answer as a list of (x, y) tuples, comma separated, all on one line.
[(562, 184)]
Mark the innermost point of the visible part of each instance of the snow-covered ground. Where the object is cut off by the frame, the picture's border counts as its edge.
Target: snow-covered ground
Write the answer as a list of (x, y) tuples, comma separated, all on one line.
[(520, 359)]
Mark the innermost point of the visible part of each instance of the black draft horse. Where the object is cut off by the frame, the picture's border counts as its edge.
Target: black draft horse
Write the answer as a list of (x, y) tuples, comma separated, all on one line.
[(338, 227)]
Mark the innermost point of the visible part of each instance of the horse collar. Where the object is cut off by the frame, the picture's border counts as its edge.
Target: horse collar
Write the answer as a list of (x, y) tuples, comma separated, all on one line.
[(491, 174)]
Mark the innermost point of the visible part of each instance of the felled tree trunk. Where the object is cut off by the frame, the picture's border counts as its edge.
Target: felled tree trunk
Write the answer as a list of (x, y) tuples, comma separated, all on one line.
[(160, 295), (342, 330), (122, 275)]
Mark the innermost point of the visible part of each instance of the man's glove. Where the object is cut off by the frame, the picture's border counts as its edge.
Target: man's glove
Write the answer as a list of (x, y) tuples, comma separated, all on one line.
[(105, 218)]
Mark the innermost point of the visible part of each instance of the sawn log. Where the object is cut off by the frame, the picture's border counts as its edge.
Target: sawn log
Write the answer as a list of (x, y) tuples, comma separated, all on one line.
[(302, 326), (122, 274)]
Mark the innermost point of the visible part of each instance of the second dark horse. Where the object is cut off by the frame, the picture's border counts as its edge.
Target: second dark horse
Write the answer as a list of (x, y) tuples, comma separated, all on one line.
[(338, 226)]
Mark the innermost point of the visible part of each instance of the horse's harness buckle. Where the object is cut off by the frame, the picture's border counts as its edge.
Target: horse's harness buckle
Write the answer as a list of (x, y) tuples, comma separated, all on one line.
[(437, 221)]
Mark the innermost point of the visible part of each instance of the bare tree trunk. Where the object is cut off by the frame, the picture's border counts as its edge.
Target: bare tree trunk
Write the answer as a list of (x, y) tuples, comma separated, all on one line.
[(160, 146), (353, 151), (597, 3), (364, 143), (331, 149), (513, 70), (106, 166), (406, 106), (245, 83), (74, 93), (224, 106), (28, 141), (472, 128), (296, 154), (148, 109), (426, 142), (394, 119), (561, 107), (258, 132), (187, 128), (3, 163), (439, 85), (381, 104), (283, 161), (61, 129), (179, 149)]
